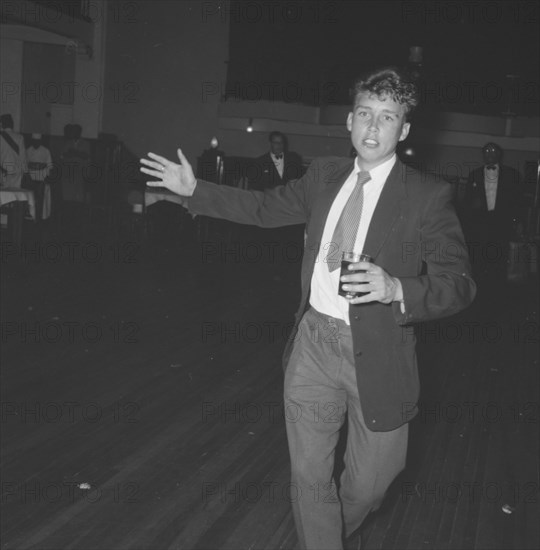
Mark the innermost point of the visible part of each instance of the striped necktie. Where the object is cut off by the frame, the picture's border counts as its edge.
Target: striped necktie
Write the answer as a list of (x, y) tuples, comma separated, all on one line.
[(347, 226)]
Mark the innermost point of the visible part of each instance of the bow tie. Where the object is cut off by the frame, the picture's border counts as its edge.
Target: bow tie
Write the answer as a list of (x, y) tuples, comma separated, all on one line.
[(278, 157), (491, 166)]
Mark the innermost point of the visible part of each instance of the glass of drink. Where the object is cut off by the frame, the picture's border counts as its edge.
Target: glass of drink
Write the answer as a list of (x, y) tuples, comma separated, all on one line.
[(348, 258)]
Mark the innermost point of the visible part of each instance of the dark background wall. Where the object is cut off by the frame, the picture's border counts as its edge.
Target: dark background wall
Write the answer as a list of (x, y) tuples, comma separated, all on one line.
[(170, 64), (310, 51), (160, 57)]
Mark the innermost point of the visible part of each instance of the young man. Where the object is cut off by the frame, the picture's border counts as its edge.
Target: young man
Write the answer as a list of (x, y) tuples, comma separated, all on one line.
[(353, 356)]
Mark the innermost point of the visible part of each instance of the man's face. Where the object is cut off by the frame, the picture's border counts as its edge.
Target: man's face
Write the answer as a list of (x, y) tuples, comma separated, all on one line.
[(376, 127), (491, 155), (277, 145)]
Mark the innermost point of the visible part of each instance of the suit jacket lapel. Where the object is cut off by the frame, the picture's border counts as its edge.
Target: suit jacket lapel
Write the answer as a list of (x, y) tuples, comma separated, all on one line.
[(316, 222), (387, 210), (504, 181), (483, 193), (322, 205), (276, 177)]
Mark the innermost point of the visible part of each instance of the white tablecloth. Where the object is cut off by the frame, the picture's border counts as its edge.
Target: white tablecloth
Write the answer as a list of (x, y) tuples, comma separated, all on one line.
[(46, 202), (12, 194)]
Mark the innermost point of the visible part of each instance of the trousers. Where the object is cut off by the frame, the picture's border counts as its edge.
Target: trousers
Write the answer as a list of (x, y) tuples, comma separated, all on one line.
[(320, 392)]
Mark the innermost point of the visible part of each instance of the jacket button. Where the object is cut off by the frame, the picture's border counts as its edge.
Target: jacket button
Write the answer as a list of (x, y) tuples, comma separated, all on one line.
[(358, 353), (356, 317)]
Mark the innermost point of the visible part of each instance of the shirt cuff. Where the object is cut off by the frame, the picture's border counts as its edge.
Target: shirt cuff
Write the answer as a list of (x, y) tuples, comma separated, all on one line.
[(399, 295)]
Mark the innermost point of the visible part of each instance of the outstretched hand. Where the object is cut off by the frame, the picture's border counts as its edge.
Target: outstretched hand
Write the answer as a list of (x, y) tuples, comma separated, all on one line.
[(179, 178)]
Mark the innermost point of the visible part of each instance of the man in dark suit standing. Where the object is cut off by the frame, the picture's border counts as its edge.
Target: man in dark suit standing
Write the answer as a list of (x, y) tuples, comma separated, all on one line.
[(278, 166), (352, 357), (491, 209), (275, 168)]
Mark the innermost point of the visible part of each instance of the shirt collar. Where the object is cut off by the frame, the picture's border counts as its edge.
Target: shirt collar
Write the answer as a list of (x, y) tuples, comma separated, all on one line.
[(381, 171)]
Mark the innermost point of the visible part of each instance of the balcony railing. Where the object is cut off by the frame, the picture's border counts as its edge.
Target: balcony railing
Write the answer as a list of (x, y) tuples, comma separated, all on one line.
[(77, 9), (70, 18)]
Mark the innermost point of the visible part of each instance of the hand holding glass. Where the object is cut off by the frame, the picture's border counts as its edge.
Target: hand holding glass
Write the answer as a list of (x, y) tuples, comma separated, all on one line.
[(348, 258)]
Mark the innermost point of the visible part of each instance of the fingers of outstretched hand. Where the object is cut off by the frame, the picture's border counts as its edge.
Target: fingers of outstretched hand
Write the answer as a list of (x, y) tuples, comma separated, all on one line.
[(154, 174), (158, 158), (154, 168), (182, 157)]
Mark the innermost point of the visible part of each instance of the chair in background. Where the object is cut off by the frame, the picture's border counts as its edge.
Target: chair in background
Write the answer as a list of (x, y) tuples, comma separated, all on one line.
[(210, 167), (73, 168), (87, 181), (103, 191), (138, 221)]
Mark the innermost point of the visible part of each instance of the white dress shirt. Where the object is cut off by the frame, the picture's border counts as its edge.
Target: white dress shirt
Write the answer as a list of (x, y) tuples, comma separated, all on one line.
[(324, 284), (279, 163), (13, 164), (42, 157), (491, 179)]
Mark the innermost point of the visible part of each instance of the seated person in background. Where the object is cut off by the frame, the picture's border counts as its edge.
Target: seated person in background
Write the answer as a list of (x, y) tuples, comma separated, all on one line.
[(39, 166), (75, 159), (278, 166), (491, 210), (12, 154)]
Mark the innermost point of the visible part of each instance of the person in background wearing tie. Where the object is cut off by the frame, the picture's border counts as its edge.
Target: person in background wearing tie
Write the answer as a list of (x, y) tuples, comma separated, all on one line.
[(492, 210), (353, 357), (278, 166)]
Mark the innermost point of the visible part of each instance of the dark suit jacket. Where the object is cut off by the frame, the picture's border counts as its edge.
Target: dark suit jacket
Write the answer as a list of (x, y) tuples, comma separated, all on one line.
[(266, 175), (480, 224), (414, 235)]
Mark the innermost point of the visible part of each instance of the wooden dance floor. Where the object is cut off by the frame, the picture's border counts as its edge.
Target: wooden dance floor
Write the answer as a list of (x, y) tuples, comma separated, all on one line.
[(142, 406)]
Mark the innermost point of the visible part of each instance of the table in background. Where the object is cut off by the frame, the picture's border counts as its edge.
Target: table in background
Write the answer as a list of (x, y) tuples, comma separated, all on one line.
[(18, 198), (140, 201)]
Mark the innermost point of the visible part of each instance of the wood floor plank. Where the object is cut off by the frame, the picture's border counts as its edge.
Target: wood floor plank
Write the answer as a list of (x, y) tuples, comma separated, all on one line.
[(189, 450)]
